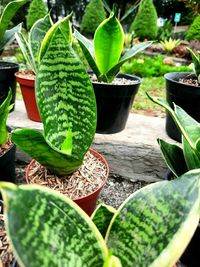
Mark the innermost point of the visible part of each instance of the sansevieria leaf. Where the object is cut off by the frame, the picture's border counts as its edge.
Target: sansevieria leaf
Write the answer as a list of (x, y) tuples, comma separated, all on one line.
[(8, 13), (174, 157), (37, 34), (192, 156), (5, 108), (8, 37), (102, 216), (33, 143), (65, 98), (108, 43), (154, 225), (47, 229)]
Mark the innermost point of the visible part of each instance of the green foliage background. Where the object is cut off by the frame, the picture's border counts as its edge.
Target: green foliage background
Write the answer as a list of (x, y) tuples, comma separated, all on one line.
[(37, 10), (193, 32), (94, 15), (145, 22)]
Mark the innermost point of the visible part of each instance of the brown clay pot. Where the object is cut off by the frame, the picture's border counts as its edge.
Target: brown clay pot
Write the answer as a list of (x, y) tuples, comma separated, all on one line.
[(87, 203), (27, 85)]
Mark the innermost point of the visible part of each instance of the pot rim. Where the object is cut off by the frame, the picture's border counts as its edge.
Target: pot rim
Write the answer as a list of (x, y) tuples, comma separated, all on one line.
[(13, 64), (19, 76), (127, 76), (94, 152), (167, 76)]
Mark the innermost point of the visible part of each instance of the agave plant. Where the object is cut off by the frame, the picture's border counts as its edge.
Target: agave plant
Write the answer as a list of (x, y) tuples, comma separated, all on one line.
[(104, 55), (151, 228), (6, 36), (179, 160), (196, 62), (5, 108), (66, 104)]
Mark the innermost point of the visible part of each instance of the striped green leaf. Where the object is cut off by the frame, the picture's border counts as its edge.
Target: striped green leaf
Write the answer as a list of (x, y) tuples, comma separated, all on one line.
[(33, 143), (8, 13), (26, 50), (5, 108), (155, 224), (108, 43), (9, 36), (88, 51), (65, 98), (64, 26), (174, 157), (47, 229), (127, 56), (192, 156), (102, 217), (37, 34)]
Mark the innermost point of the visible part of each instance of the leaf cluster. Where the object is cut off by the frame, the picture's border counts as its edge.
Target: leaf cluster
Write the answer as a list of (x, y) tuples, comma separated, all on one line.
[(196, 63), (151, 228), (104, 55), (6, 36), (193, 32), (36, 11)]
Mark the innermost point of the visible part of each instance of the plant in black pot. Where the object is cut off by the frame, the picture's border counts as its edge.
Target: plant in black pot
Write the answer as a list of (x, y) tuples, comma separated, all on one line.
[(8, 69), (66, 102), (183, 88), (114, 92), (181, 159), (7, 149)]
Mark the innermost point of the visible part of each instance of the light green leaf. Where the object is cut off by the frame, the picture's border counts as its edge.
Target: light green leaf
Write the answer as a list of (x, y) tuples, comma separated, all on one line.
[(65, 97), (155, 224), (174, 157), (196, 61), (108, 43), (9, 36), (33, 143), (37, 34), (5, 108), (128, 55), (8, 13), (26, 50), (88, 51), (48, 229), (102, 217)]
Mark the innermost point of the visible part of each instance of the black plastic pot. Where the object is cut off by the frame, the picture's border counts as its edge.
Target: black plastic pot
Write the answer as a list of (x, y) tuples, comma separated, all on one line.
[(114, 103), (7, 165), (183, 95), (8, 80), (190, 256)]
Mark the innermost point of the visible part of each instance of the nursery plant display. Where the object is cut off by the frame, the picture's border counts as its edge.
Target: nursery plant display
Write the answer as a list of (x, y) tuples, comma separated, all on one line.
[(30, 49), (181, 159), (67, 106), (114, 95), (151, 228), (183, 89), (7, 69), (7, 148)]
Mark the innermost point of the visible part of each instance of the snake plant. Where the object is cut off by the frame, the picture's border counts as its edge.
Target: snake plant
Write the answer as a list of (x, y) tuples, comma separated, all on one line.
[(66, 103), (196, 62), (150, 229), (104, 55), (5, 108), (6, 36), (181, 159)]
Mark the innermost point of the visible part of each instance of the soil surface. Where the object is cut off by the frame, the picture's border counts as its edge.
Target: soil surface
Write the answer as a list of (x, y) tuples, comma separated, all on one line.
[(26, 75), (187, 81), (6, 146), (116, 81)]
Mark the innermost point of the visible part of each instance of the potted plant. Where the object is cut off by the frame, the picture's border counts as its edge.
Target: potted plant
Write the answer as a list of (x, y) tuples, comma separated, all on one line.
[(7, 148), (30, 48), (183, 89), (151, 228), (114, 92), (67, 106), (7, 69), (180, 160)]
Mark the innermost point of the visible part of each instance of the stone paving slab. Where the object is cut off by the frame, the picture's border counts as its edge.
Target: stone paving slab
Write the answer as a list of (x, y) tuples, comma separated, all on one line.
[(132, 154)]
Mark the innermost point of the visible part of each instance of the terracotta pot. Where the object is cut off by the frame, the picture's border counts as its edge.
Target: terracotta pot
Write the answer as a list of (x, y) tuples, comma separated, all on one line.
[(27, 85), (87, 203)]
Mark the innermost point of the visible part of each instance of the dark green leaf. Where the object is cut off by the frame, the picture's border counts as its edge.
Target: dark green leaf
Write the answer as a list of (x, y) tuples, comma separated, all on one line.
[(174, 158), (155, 224), (49, 230), (192, 156), (33, 143)]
